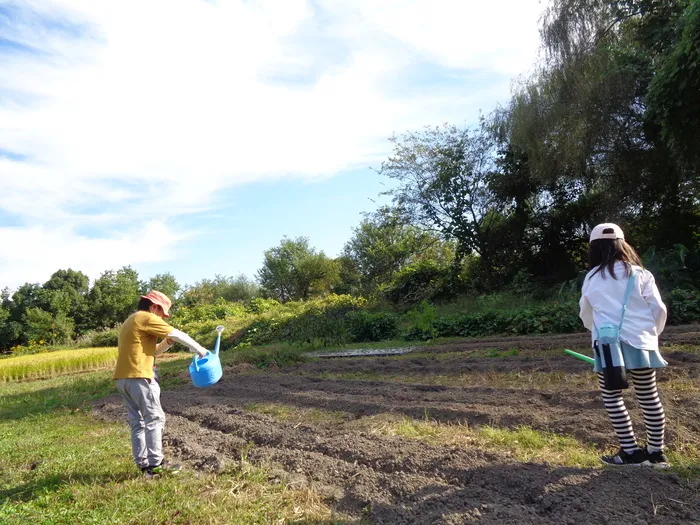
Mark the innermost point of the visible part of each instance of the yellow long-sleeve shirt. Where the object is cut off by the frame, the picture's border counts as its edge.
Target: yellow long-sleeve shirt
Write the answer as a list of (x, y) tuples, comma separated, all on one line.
[(137, 345)]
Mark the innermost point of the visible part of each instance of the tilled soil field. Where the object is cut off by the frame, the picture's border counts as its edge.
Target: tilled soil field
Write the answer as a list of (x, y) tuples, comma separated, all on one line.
[(374, 478)]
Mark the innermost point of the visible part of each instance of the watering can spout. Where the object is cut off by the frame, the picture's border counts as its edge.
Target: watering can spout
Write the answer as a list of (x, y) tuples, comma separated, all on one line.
[(219, 329)]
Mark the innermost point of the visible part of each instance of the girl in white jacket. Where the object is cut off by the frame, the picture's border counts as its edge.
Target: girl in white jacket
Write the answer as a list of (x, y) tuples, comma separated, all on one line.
[(612, 262)]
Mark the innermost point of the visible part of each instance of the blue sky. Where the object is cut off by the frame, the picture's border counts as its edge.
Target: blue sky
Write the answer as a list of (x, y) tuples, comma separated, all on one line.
[(188, 137)]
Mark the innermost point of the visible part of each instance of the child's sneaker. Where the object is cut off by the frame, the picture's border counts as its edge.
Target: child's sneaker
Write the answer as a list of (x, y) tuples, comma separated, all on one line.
[(623, 459), (165, 467), (657, 459)]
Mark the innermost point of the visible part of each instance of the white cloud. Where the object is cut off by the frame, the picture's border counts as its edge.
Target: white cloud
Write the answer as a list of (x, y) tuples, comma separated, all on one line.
[(38, 251), (498, 36), (151, 107)]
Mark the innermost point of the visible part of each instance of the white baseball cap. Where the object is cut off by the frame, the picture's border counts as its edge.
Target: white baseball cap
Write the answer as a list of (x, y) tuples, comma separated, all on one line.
[(607, 230)]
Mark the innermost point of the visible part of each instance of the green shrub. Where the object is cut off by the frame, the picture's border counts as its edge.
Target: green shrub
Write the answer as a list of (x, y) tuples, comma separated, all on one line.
[(221, 309), (260, 305), (424, 281), (488, 322), (676, 268), (204, 331), (268, 357), (421, 322), (261, 332), (545, 319), (554, 318), (683, 306), (318, 326), (372, 326), (99, 338), (321, 322), (341, 319), (31, 348)]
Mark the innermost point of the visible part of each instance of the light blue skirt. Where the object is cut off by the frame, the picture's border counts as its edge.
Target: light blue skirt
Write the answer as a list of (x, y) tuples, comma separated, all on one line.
[(634, 358)]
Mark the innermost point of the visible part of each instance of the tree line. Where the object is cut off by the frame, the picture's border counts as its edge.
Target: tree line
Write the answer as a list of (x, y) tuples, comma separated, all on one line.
[(606, 128)]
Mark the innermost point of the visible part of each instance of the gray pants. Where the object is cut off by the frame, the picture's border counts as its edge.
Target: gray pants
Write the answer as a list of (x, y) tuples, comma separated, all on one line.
[(146, 419)]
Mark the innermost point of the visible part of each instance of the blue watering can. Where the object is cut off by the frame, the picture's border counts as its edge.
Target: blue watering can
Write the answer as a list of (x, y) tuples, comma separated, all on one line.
[(205, 371)]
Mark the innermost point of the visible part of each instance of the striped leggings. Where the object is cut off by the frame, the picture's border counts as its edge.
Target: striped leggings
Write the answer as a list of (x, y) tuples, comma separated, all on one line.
[(644, 381)]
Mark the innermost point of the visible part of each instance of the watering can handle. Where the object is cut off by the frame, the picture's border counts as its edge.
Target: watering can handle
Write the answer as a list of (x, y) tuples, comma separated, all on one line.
[(194, 362)]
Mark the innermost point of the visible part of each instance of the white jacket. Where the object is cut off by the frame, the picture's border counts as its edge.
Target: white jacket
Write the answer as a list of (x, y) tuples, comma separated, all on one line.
[(601, 302)]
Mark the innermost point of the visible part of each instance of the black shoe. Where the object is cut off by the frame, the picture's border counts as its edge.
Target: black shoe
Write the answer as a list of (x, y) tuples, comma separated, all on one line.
[(623, 459), (657, 459), (164, 467)]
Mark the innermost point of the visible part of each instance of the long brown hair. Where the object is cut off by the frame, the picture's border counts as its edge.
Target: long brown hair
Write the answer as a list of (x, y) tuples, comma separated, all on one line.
[(604, 253)]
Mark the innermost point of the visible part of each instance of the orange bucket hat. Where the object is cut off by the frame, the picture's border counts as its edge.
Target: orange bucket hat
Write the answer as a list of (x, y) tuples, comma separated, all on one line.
[(160, 299)]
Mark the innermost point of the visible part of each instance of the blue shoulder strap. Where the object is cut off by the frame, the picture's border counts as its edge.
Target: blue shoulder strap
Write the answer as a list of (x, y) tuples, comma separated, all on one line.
[(628, 293)]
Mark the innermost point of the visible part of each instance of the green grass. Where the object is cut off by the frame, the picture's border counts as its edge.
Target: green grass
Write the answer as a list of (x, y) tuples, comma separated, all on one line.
[(20, 400), (58, 465), (67, 468), (527, 444), (691, 349)]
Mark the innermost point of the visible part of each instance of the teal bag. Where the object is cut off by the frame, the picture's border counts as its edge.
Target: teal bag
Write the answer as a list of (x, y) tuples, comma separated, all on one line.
[(608, 348)]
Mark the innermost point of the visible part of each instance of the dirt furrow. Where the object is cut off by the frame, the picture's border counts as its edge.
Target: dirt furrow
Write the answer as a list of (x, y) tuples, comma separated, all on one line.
[(387, 479), (397, 481), (577, 413)]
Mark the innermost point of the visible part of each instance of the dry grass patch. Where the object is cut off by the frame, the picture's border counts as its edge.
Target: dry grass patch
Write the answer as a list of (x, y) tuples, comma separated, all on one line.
[(480, 353), (53, 364), (297, 415), (522, 444), (524, 380)]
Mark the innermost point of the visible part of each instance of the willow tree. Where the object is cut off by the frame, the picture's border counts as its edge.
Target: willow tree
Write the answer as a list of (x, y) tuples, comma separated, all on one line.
[(583, 123), (674, 92)]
